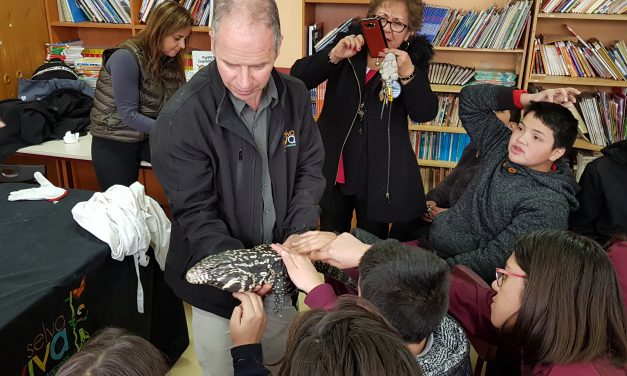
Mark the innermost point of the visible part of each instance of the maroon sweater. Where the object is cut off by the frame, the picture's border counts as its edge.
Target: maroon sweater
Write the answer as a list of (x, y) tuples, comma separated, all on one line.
[(469, 304)]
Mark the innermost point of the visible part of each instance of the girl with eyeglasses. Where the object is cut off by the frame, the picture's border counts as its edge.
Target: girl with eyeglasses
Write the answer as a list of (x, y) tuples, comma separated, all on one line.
[(557, 299), (370, 166)]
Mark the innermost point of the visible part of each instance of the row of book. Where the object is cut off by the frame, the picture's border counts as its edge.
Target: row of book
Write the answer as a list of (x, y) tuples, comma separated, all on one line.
[(584, 6), (317, 99), (448, 112), (577, 59), (439, 146), (493, 28), (450, 74), (109, 11), (201, 10), (432, 177), (604, 115)]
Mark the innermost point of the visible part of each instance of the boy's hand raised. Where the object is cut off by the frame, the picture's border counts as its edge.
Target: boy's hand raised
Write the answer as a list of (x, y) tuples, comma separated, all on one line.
[(248, 320), (564, 96)]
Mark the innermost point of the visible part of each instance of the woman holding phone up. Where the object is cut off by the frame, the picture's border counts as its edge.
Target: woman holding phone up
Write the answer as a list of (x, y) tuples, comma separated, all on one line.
[(369, 164)]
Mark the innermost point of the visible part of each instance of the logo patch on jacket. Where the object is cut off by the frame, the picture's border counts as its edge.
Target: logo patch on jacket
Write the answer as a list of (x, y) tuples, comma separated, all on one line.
[(289, 139)]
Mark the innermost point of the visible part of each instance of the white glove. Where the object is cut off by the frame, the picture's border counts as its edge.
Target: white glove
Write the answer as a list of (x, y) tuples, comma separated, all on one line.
[(47, 191)]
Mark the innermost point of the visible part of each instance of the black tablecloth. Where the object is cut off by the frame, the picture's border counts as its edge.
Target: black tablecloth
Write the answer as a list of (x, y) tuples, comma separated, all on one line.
[(59, 285)]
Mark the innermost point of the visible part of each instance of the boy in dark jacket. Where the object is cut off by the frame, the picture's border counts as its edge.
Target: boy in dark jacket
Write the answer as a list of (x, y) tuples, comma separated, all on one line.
[(603, 209), (410, 288), (522, 186)]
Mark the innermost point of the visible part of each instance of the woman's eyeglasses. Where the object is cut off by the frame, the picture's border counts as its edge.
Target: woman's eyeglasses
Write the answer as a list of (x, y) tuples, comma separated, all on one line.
[(502, 274), (395, 26)]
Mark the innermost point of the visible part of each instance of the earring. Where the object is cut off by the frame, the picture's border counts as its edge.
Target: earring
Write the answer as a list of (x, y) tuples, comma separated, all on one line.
[(404, 45)]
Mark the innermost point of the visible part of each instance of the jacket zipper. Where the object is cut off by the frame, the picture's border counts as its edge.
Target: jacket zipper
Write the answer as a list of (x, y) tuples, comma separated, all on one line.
[(360, 110), (387, 184)]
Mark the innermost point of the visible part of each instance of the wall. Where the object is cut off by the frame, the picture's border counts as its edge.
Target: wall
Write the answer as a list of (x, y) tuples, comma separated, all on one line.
[(291, 14)]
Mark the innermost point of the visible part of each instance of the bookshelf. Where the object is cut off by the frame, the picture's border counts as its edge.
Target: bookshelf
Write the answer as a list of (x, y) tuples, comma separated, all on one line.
[(104, 35)]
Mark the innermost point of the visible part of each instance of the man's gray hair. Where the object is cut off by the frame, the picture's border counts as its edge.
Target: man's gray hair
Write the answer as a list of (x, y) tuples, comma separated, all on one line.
[(255, 11)]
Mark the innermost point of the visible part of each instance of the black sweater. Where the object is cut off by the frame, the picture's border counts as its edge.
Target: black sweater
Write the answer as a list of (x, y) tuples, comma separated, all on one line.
[(396, 172), (602, 206)]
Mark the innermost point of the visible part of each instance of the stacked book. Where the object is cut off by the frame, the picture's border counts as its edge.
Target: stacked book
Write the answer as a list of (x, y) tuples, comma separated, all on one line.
[(581, 59), (108, 11), (89, 69), (493, 28), (439, 146), (584, 6), (448, 112), (494, 78), (604, 115), (449, 74), (201, 10), (69, 51)]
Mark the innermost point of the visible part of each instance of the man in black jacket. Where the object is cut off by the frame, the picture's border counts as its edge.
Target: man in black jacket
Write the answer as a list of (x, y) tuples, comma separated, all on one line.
[(240, 160)]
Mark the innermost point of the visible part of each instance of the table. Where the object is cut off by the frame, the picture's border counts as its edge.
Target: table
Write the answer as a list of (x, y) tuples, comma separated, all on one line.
[(70, 166), (59, 285)]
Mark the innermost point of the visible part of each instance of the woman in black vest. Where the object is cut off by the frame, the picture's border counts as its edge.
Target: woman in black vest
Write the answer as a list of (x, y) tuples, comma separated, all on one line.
[(369, 162), (136, 79)]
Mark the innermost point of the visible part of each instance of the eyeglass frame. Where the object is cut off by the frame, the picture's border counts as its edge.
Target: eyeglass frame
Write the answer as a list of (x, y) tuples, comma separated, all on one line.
[(385, 22), (500, 273)]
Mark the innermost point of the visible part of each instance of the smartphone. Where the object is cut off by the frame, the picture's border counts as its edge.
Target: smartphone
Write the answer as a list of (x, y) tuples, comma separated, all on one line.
[(373, 35)]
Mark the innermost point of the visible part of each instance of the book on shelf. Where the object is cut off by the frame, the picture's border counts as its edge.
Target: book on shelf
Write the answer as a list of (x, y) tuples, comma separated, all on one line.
[(580, 59), (201, 10), (432, 177), (449, 74), (439, 146), (330, 36), (314, 34), (432, 18), (106, 11), (448, 112), (493, 28), (69, 11), (196, 60), (317, 99), (605, 115), (584, 6)]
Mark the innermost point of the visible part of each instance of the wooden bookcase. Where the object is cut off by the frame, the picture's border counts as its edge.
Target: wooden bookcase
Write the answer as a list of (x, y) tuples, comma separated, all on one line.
[(104, 35), (605, 27)]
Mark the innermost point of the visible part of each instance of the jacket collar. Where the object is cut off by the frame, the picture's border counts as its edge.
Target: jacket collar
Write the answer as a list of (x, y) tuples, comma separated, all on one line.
[(227, 118)]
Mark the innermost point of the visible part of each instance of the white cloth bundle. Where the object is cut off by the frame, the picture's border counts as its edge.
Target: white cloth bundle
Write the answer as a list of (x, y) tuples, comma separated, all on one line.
[(130, 222)]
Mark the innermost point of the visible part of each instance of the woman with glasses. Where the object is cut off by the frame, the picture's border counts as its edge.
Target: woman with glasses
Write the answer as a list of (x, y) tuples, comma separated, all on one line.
[(369, 165), (557, 299)]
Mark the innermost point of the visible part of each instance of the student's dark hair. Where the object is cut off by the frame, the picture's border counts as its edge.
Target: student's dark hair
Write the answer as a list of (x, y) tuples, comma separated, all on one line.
[(514, 115), (571, 308), (115, 352), (409, 285), (558, 119), (350, 339), (164, 20), (414, 7)]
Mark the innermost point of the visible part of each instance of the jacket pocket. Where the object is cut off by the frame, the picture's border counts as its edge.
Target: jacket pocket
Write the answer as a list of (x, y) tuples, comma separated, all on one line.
[(238, 169)]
